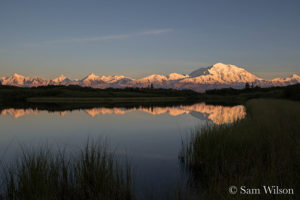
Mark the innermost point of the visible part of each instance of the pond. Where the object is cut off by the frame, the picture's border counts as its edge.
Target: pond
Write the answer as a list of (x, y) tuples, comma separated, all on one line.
[(150, 137)]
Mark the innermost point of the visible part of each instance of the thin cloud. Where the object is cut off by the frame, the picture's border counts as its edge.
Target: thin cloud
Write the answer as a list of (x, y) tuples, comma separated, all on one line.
[(110, 37)]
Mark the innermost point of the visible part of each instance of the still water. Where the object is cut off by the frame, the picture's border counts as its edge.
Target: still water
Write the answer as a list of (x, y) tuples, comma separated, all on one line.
[(149, 137)]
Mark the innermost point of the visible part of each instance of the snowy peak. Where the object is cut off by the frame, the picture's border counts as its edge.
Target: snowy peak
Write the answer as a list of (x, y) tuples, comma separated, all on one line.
[(92, 80), (224, 68), (19, 80), (96, 81), (15, 79), (295, 76), (223, 73), (215, 69), (59, 79), (232, 73), (17, 76), (176, 76), (153, 78), (112, 79), (292, 79), (91, 77)]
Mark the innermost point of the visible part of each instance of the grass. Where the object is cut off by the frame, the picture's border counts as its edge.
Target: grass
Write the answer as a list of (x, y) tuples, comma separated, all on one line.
[(263, 149), (43, 175)]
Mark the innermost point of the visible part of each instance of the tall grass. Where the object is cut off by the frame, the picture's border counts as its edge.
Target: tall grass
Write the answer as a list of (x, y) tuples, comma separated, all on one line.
[(263, 149), (43, 175)]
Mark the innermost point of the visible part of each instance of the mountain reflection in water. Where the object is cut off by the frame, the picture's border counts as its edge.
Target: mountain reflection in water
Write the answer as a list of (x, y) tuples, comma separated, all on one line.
[(216, 113)]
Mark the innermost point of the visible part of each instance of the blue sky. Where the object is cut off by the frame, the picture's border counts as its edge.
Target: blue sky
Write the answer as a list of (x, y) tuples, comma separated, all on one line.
[(137, 38)]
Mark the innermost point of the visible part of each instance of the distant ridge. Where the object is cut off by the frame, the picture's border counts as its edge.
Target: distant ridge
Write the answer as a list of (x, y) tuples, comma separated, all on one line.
[(216, 76)]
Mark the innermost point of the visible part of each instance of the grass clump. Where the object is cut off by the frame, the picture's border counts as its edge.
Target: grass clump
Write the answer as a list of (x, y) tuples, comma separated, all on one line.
[(96, 174), (261, 150)]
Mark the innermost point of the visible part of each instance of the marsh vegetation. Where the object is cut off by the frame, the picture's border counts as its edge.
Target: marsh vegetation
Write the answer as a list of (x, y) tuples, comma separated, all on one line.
[(262, 149), (96, 173)]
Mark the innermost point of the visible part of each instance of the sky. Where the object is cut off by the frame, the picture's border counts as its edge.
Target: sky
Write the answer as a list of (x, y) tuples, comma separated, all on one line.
[(142, 37)]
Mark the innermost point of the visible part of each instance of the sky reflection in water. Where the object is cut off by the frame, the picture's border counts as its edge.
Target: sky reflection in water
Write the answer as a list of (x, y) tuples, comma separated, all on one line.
[(149, 137)]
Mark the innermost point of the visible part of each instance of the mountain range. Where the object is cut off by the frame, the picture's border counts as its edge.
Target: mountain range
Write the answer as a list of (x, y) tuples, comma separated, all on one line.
[(216, 76)]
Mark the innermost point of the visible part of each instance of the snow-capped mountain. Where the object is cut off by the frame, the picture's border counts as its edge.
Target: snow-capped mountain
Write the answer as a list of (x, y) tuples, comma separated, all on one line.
[(14, 79), (293, 79), (19, 80), (155, 79), (61, 80), (176, 76), (222, 73), (218, 75), (93, 80)]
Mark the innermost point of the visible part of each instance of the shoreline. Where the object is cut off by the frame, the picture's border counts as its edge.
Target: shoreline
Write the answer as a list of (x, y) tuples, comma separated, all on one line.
[(103, 99)]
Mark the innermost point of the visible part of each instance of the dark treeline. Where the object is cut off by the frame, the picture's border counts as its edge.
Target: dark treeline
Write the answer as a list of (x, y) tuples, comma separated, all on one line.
[(11, 96), (8, 93), (240, 96), (289, 92)]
